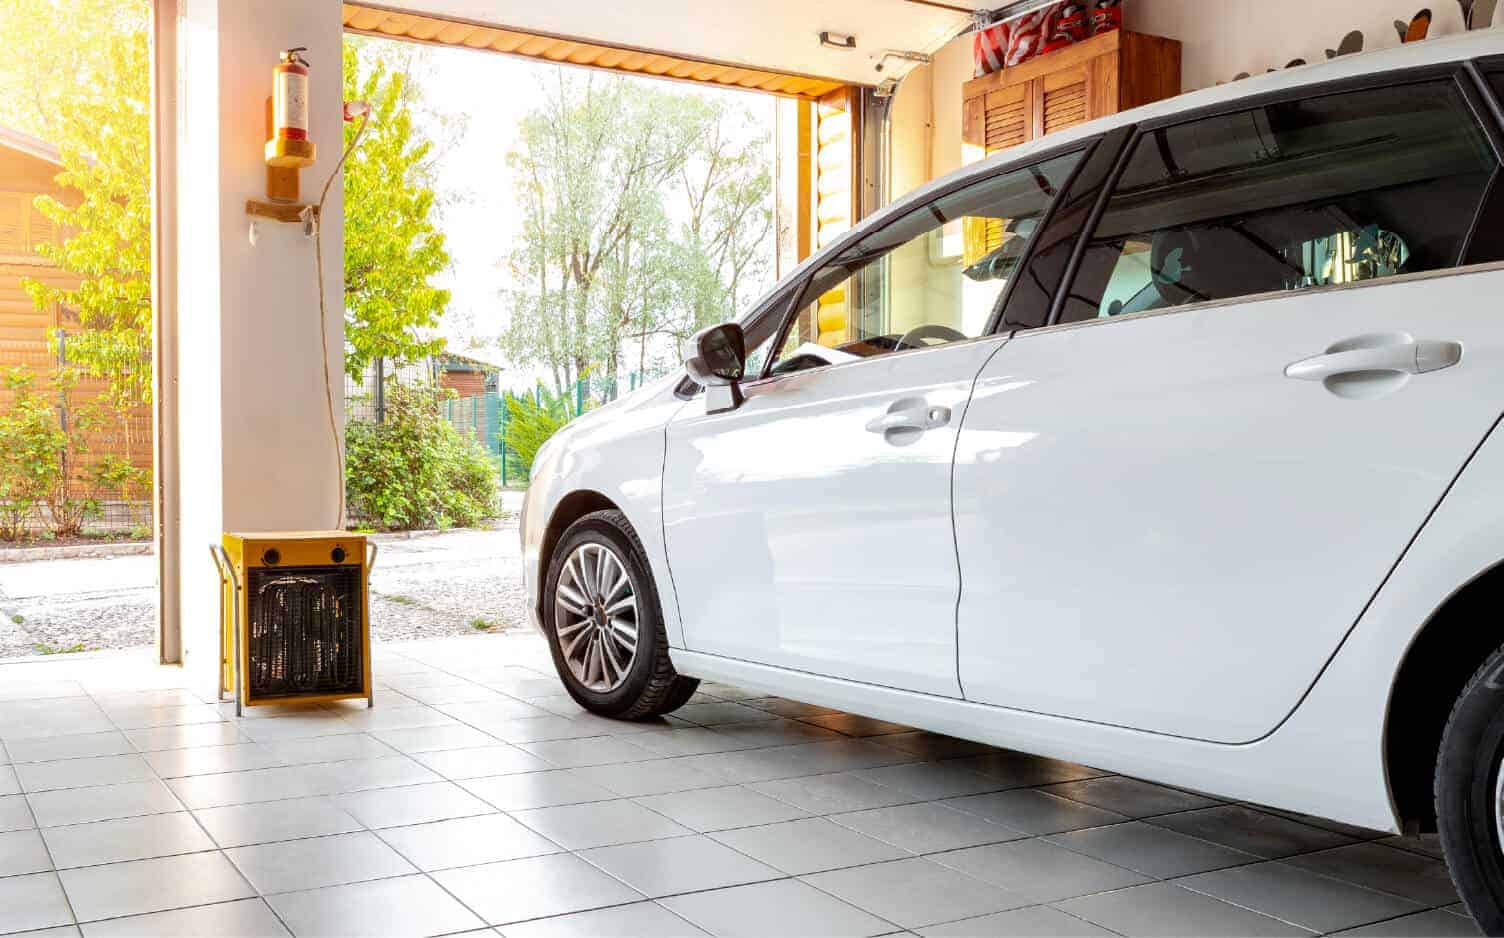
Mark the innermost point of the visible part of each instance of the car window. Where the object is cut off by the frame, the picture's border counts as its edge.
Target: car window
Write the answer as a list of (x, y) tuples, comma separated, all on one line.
[(932, 276), (1300, 194)]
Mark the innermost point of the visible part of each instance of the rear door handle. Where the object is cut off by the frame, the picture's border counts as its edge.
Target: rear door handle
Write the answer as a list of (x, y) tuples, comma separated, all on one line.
[(914, 419), (1411, 358)]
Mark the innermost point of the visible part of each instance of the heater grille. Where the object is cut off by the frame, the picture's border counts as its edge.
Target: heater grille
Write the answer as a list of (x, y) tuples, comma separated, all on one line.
[(304, 631)]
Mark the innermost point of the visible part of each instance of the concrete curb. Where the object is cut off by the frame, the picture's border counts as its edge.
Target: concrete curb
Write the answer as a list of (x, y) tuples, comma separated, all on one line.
[(73, 551)]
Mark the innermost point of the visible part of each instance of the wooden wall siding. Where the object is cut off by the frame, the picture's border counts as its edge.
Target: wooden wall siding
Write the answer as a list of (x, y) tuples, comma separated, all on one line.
[(464, 383), (373, 21), (25, 330)]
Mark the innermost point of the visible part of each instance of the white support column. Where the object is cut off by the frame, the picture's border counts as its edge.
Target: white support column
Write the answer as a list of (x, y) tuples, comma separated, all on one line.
[(255, 451)]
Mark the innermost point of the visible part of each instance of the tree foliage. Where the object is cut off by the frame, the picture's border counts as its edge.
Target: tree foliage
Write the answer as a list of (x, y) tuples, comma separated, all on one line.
[(99, 117), (646, 214), (393, 246)]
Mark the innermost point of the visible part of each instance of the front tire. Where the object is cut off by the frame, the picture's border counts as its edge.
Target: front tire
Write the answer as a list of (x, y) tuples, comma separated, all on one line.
[(604, 624), (1470, 795)]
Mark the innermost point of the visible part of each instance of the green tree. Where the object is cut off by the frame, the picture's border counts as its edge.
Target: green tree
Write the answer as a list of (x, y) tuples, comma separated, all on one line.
[(393, 246), (645, 214)]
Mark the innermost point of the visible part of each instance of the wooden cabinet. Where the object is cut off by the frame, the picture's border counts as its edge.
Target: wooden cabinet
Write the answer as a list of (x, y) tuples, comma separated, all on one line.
[(1091, 79)]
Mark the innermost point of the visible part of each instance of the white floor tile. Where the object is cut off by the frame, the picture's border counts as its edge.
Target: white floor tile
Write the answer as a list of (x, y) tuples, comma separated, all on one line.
[(787, 907), (660, 868), (467, 841), (535, 887), (408, 906), (809, 846), (136, 838), (314, 862), (143, 886), (103, 803), (243, 918), (418, 804), (537, 790), (914, 893), (35, 901), (481, 762), (723, 808), (623, 921), (1166, 909), (266, 822), (23, 851), (599, 824)]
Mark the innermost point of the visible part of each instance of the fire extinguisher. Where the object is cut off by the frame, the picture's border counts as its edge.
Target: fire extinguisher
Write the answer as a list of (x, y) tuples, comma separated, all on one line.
[(289, 146)]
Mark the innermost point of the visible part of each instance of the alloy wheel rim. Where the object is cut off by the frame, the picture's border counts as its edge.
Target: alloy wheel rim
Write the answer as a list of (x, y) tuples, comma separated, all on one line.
[(595, 617)]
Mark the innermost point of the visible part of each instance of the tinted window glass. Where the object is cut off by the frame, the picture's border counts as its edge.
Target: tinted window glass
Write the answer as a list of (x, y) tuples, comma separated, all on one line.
[(1289, 196), (932, 276)]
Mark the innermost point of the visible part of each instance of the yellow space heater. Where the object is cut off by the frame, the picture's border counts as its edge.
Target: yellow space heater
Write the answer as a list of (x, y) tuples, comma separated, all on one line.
[(295, 617)]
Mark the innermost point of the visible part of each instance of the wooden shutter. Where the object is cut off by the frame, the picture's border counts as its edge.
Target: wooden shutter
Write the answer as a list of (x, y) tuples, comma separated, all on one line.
[(1063, 98), (1006, 118)]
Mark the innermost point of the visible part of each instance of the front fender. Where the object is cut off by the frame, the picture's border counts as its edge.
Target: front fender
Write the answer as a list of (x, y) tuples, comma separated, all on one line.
[(616, 452)]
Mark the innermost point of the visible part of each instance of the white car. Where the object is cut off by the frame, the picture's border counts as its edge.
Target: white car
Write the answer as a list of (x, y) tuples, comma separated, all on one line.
[(1165, 444)]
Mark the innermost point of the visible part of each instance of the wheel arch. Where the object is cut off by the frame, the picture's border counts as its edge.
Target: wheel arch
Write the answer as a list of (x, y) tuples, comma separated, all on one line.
[(571, 508), (1443, 656)]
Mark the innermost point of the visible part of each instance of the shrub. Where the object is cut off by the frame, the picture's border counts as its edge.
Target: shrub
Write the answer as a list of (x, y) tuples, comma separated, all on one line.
[(32, 445), (416, 470), (530, 424)]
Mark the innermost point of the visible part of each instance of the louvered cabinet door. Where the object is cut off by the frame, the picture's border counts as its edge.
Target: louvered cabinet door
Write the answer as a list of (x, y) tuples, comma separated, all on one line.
[(1008, 118), (1063, 100)]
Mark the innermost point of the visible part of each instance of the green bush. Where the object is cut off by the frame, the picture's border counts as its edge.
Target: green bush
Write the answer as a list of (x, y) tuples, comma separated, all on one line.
[(416, 470), (31, 455), (530, 424)]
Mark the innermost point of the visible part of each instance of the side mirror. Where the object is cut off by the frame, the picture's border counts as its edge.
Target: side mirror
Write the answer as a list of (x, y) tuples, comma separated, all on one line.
[(717, 361)]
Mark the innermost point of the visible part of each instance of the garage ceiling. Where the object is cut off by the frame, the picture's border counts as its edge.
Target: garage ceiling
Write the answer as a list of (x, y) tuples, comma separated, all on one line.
[(778, 38)]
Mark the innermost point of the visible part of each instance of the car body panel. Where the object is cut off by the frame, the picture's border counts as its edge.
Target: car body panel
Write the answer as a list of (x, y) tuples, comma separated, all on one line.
[(801, 538), (1158, 529)]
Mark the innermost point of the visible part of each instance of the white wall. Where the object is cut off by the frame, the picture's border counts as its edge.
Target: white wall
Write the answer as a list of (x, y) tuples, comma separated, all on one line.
[(256, 452), (1225, 38)]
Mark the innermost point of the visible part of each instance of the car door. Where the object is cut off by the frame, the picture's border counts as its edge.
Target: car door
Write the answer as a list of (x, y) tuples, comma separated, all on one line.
[(810, 528), (1173, 503)]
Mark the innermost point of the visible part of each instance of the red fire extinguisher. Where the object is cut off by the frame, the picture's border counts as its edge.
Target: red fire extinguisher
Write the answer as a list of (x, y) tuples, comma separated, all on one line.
[(289, 146)]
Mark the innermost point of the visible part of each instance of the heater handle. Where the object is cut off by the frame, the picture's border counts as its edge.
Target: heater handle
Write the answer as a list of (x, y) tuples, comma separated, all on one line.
[(227, 574), (370, 556)]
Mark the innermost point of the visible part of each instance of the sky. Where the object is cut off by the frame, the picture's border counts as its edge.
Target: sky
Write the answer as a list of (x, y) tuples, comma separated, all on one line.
[(472, 103)]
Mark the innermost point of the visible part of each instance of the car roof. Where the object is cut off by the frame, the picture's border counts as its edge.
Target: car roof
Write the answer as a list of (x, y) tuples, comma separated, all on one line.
[(1460, 48)]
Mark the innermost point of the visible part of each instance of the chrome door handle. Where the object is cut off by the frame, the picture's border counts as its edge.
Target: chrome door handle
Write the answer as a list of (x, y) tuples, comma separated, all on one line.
[(916, 420), (1411, 358)]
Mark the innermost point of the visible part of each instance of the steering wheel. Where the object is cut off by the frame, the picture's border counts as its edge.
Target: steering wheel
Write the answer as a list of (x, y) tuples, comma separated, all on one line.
[(932, 330)]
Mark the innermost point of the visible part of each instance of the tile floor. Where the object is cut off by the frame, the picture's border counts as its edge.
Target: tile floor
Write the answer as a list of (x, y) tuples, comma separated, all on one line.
[(477, 797)]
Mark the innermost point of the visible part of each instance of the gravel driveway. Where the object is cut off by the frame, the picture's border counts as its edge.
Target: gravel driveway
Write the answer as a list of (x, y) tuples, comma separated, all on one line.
[(421, 587)]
